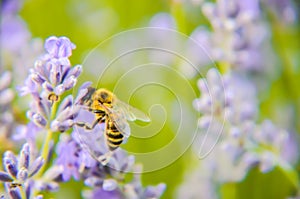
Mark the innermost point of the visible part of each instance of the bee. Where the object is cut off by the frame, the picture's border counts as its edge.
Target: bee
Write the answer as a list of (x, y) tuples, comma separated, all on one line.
[(114, 113)]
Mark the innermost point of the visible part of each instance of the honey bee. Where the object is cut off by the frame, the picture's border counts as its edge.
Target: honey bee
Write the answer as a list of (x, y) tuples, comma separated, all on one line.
[(114, 113)]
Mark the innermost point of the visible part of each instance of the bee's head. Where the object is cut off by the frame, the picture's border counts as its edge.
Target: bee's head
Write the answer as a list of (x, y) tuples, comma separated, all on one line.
[(104, 96)]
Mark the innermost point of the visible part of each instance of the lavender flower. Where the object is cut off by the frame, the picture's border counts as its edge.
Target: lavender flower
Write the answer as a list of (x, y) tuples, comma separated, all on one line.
[(232, 141), (65, 115), (49, 180), (93, 141), (72, 158), (19, 171), (53, 71), (108, 182), (135, 190), (100, 193), (79, 157), (219, 98), (237, 34), (48, 80)]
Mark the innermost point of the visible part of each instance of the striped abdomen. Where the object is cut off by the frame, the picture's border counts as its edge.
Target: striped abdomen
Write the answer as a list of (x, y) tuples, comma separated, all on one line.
[(113, 136)]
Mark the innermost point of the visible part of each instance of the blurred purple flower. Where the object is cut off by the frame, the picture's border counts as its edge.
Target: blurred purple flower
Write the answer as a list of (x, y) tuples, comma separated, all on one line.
[(11, 7), (232, 141), (6, 97), (237, 33), (27, 132), (163, 20), (284, 10), (14, 33), (18, 49), (230, 97)]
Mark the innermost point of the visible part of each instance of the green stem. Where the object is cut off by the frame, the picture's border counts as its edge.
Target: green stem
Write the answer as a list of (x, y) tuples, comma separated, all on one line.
[(46, 145), (224, 67), (22, 191), (291, 83)]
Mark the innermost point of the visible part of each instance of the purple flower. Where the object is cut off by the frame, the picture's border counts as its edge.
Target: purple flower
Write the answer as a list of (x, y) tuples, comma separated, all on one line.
[(163, 20), (10, 7), (65, 115), (134, 189), (48, 181), (274, 141), (17, 46), (19, 170), (230, 97), (51, 77), (14, 33), (154, 191), (232, 141), (53, 73), (59, 47), (93, 141), (73, 158), (101, 193), (237, 34), (68, 158), (27, 132)]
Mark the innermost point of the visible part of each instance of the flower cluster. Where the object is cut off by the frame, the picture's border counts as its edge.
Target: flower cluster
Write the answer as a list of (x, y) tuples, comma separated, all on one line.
[(20, 170), (237, 33), (234, 114), (106, 181), (77, 156), (230, 138), (231, 141), (51, 77)]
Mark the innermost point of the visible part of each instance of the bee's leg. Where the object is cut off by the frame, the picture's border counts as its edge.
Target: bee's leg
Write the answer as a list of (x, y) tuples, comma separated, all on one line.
[(97, 111), (87, 126), (104, 159)]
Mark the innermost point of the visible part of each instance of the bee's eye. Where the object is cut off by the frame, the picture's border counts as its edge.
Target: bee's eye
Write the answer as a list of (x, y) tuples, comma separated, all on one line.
[(103, 95)]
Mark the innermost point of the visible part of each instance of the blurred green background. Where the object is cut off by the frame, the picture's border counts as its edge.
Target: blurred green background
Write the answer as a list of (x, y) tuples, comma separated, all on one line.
[(87, 23)]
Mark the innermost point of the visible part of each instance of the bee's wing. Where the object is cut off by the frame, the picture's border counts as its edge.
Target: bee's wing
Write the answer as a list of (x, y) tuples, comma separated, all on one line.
[(120, 121), (131, 113)]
